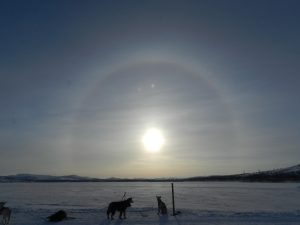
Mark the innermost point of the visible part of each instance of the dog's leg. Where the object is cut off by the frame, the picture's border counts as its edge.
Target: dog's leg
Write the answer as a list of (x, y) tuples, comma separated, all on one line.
[(158, 206), (107, 213), (159, 209), (8, 216), (112, 214), (3, 220)]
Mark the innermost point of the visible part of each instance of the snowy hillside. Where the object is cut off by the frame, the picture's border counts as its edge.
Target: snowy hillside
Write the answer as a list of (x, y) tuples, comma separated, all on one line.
[(279, 175), (292, 169), (285, 174)]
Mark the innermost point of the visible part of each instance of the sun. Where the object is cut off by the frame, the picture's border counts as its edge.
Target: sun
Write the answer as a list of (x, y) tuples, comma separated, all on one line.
[(153, 140)]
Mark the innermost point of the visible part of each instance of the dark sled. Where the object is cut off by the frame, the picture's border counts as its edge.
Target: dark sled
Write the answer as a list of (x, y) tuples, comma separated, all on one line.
[(58, 216)]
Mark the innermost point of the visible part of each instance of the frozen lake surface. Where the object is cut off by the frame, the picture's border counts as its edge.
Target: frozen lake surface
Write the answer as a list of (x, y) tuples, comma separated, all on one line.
[(199, 202)]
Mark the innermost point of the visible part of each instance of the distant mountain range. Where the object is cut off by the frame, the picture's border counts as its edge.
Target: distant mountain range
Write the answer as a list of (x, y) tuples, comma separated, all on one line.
[(45, 178), (289, 174)]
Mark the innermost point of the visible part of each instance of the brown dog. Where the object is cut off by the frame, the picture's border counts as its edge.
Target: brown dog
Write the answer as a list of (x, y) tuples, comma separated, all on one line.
[(162, 208)]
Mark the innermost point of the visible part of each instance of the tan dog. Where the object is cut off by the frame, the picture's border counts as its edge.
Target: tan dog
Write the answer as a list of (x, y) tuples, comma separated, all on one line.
[(5, 212), (162, 208)]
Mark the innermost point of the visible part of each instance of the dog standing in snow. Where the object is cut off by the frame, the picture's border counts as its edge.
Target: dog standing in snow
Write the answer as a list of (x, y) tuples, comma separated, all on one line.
[(162, 208), (118, 206), (5, 212)]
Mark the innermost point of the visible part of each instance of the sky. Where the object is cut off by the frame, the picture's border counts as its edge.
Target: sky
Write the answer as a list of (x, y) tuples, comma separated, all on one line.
[(83, 81)]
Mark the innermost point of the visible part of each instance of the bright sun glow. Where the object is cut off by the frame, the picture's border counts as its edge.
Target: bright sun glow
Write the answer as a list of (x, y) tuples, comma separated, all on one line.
[(153, 140)]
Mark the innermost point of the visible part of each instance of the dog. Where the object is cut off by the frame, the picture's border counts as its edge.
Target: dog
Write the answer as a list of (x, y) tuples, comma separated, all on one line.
[(162, 208), (118, 206), (5, 212)]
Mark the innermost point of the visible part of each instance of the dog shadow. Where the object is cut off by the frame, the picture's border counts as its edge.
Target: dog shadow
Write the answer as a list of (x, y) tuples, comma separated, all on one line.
[(163, 219), (177, 220), (111, 222)]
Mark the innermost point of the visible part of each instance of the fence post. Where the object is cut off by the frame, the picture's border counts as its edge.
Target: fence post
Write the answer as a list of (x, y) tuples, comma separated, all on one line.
[(173, 202)]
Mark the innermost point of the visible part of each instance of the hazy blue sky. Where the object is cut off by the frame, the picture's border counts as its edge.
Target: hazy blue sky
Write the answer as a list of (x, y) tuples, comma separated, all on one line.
[(82, 81)]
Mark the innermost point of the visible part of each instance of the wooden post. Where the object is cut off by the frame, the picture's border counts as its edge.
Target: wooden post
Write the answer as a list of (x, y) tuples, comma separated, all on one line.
[(173, 202)]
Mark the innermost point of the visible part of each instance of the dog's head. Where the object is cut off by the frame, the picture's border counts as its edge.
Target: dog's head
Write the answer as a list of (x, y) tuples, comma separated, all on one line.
[(129, 201), (2, 204), (158, 198)]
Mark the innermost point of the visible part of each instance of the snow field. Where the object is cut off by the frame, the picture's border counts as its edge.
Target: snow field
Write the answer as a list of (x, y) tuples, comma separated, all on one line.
[(213, 203)]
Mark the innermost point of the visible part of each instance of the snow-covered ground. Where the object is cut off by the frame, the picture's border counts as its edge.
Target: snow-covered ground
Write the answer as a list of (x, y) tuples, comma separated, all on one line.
[(212, 203)]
